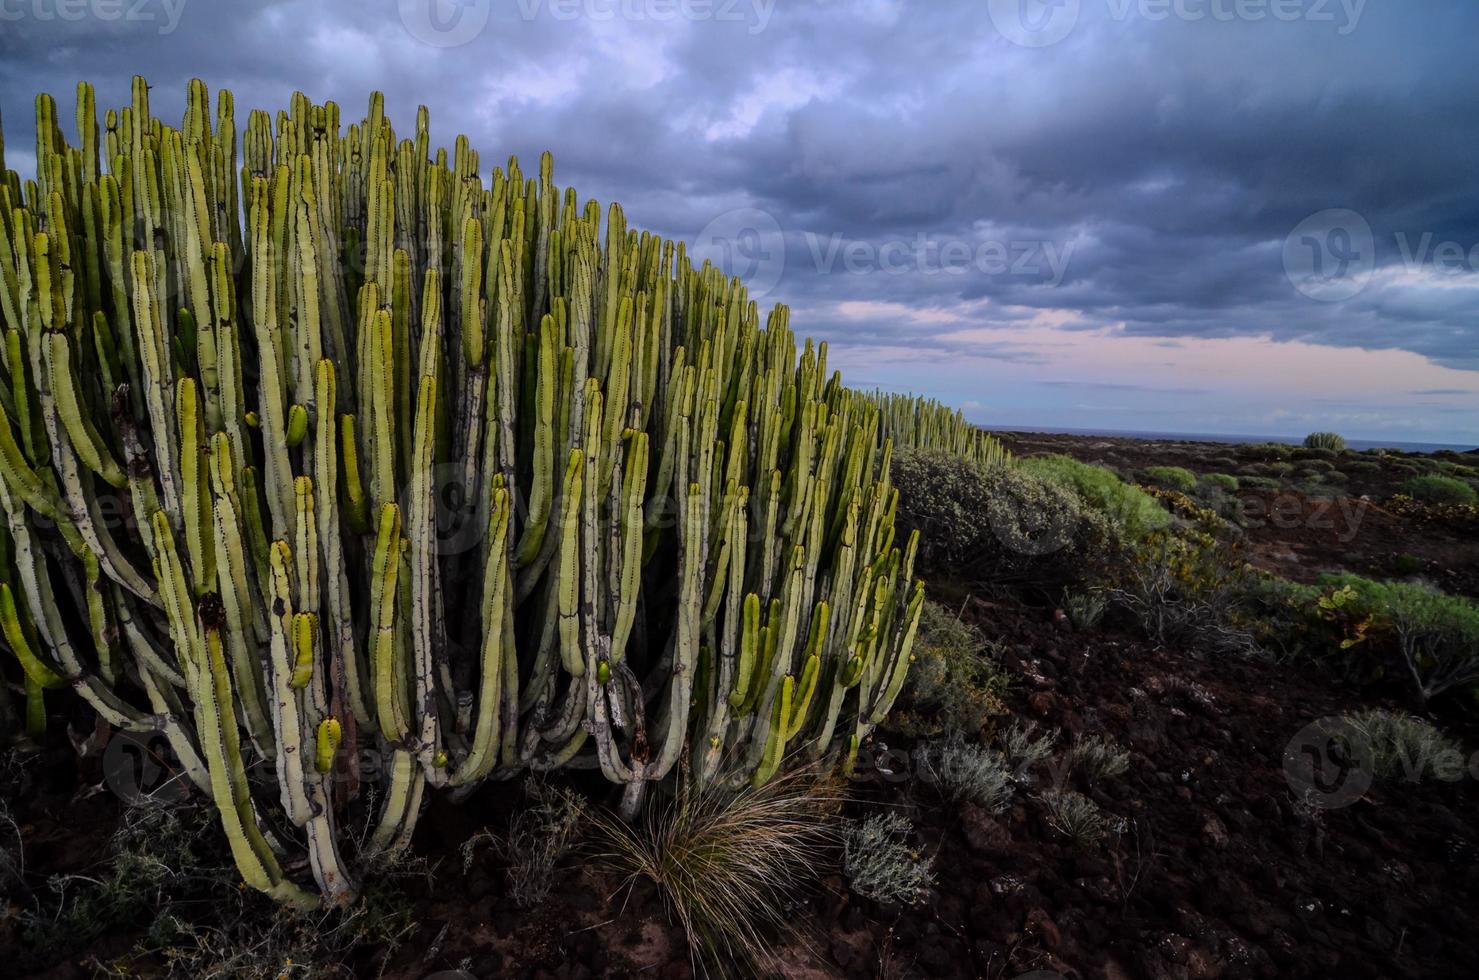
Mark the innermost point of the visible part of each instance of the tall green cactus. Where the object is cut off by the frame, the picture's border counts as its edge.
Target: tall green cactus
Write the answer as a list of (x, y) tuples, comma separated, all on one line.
[(422, 462)]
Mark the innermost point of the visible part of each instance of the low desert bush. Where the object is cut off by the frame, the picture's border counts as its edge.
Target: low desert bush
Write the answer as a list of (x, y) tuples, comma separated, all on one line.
[(881, 863), (1126, 505), (1324, 440), (1317, 465), (1272, 450), (539, 836), (1076, 817), (954, 684), (995, 524), (1222, 481), (1261, 483), (162, 880), (1403, 746), (1436, 635), (965, 771), (727, 862), (1085, 610), (1025, 748), (1175, 477), (1435, 489), (1461, 470), (1097, 758), (1186, 588)]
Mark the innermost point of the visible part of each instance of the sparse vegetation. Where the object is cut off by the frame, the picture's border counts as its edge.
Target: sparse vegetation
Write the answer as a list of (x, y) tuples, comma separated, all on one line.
[(727, 863), (966, 770), (1435, 489), (1085, 610), (1135, 513), (881, 861), (539, 837), (1172, 477), (1436, 635), (997, 524), (1325, 440), (1222, 481), (1406, 747), (955, 683), (1025, 748), (1076, 817), (1097, 758)]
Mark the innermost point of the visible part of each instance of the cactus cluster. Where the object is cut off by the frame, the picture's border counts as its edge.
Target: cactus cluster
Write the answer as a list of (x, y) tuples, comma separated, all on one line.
[(322, 442), (1333, 441)]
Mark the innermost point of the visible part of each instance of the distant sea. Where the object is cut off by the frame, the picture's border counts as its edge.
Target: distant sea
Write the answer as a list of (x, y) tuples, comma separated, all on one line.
[(1411, 447)]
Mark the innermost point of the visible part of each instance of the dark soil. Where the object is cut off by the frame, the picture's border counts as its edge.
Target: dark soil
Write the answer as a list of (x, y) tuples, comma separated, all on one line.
[(1218, 868), (1306, 528)]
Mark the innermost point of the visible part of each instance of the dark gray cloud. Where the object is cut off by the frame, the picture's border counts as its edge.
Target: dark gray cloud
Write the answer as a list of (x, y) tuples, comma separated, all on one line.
[(1139, 177)]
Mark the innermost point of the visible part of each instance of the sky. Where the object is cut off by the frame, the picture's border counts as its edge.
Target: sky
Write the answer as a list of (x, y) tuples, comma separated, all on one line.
[(1205, 216)]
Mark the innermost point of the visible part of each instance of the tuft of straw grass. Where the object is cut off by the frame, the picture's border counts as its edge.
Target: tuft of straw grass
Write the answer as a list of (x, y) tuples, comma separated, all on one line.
[(729, 863)]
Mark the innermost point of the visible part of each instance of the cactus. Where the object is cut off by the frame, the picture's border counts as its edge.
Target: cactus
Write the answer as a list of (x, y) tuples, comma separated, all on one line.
[(324, 442)]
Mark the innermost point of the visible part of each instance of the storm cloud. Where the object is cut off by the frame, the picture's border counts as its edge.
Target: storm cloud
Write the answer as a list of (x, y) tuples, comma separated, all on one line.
[(1107, 213)]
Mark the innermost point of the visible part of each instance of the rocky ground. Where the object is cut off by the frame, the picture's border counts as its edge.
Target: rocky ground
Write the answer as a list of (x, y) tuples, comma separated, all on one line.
[(1220, 864)]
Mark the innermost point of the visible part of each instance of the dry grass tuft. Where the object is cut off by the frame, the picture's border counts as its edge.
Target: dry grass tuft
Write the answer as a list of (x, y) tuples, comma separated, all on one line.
[(729, 863)]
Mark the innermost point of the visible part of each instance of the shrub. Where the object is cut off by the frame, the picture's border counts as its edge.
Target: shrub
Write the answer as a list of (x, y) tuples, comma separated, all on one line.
[(1437, 635), (1097, 758), (1223, 463), (1084, 610), (1125, 504), (1326, 455), (954, 683), (1025, 749), (1186, 589), (1318, 466), (879, 862), (965, 771), (1364, 466), (1174, 477), (538, 838), (1407, 564), (1076, 817), (727, 862), (1261, 483), (995, 523), (1435, 489), (1400, 745), (1324, 440), (1273, 450), (1222, 481)]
